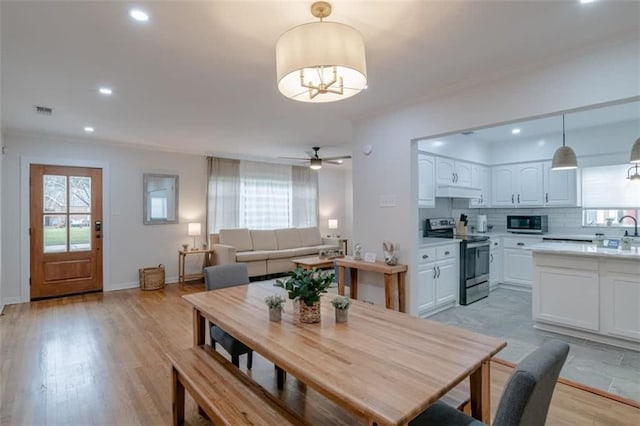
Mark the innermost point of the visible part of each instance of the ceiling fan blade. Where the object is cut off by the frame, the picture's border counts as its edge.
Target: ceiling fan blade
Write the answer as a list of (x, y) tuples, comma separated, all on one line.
[(342, 157), (294, 158), (336, 162)]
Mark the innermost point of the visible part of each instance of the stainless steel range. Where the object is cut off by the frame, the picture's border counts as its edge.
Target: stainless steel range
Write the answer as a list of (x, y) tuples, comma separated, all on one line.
[(474, 258)]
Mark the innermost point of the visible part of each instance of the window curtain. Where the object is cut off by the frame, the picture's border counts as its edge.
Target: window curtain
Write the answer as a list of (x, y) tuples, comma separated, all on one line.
[(304, 197), (266, 195), (223, 194)]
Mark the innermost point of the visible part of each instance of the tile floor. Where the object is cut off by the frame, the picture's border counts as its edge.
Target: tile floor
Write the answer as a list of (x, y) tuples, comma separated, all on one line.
[(507, 314)]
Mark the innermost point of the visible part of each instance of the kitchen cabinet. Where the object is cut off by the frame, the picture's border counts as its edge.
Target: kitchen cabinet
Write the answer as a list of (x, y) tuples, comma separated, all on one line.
[(481, 178), (426, 180), (620, 295), (517, 260), (495, 262), (560, 187), (437, 279), (453, 172), (518, 185)]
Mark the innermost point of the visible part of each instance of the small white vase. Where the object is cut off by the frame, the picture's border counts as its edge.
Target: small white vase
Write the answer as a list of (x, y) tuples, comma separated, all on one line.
[(275, 314)]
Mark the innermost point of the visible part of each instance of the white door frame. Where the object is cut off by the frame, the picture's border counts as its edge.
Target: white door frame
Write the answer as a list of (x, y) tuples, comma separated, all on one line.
[(25, 242)]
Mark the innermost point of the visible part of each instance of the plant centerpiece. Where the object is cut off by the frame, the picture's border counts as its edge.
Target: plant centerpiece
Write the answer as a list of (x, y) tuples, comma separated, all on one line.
[(307, 286), (341, 304), (275, 303)]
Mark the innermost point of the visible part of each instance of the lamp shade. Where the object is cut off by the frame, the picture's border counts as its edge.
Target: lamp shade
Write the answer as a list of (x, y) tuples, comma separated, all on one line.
[(564, 159), (194, 229), (333, 223), (635, 152), (308, 54)]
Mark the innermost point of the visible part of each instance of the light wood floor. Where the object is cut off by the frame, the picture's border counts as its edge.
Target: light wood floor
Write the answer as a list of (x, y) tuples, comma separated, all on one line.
[(99, 359)]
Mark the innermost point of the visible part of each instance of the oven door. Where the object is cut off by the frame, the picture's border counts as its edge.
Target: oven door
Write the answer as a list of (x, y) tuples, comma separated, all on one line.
[(476, 263)]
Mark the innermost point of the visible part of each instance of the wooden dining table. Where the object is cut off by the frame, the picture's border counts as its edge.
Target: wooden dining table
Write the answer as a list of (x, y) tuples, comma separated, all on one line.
[(383, 365)]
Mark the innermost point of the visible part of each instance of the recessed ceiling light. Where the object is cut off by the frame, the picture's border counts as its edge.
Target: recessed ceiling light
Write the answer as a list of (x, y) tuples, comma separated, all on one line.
[(437, 143), (105, 91), (89, 129), (542, 142), (515, 131), (139, 15)]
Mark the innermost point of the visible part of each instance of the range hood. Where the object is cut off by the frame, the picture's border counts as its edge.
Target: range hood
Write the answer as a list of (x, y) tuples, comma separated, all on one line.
[(456, 191)]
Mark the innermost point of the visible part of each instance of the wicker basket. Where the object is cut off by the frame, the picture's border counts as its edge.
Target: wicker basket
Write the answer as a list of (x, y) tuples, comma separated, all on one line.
[(151, 278), (309, 314)]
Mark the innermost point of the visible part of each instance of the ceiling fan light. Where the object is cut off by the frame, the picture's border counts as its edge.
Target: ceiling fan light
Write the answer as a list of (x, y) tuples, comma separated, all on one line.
[(635, 152), (311, 56), (315, 163), (564, 159)]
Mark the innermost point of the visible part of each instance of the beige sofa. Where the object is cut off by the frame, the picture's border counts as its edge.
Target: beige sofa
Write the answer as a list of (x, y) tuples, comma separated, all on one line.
[(268, 251)]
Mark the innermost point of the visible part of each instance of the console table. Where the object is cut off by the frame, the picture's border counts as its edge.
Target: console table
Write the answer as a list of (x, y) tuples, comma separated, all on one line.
[(182, 257), (389, 272)]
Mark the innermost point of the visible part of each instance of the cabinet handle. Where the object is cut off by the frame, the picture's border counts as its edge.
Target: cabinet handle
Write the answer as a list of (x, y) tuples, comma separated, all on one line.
[(453, 177), (518, 198), (447, 253), (491, 261), (435, 272), (546, 197), (495, 244), (456, 177), (425, 256), (438, 271), (520, 244), (512, 200)]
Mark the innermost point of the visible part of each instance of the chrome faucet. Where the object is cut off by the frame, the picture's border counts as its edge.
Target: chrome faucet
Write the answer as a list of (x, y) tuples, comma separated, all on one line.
[(635, 228)]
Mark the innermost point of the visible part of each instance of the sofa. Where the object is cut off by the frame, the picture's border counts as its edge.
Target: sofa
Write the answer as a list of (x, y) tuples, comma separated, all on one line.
[(268, 252)]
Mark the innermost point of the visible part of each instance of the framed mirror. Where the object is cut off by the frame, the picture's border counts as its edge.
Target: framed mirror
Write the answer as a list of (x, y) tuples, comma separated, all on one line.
[(160, 199)]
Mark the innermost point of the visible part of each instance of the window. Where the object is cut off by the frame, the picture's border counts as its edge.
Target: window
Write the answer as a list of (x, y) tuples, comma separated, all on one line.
[(249, 194), (158, 207), (607, 196)]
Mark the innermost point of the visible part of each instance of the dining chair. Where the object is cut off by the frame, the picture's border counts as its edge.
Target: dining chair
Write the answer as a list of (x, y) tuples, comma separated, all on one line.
[(526, 396), (223, 276)]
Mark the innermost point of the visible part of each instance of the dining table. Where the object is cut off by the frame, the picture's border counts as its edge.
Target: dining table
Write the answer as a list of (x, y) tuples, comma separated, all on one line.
[(383, 365)]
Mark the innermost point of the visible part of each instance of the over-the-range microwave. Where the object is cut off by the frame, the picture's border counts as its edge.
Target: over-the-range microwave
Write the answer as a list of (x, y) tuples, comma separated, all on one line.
[(534, 224)]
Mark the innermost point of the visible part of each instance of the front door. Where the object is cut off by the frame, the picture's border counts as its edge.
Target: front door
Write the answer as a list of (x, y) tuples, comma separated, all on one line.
[(65, 230)]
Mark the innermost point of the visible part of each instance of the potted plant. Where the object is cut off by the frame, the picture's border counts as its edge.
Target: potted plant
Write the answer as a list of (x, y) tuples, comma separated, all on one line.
[(275, 303), (307, 286), (341, 304)]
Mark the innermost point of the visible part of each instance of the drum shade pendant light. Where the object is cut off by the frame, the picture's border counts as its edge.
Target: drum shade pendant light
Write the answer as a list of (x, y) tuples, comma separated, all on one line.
[(564, 158), (635, 152), (321, 61)]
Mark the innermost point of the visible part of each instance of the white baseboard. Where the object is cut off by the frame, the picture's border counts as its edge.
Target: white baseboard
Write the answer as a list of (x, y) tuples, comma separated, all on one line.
[(10, 301), (133, 284), (580, 334)]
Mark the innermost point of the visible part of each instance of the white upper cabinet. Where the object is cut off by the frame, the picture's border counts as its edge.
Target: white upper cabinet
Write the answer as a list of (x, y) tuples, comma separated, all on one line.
[(518, 185), (560, 187), (481, 178), (452, 172), (426, 181)]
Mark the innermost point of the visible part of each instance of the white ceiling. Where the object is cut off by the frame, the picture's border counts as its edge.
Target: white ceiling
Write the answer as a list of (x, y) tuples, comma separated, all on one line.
[(200, 76)]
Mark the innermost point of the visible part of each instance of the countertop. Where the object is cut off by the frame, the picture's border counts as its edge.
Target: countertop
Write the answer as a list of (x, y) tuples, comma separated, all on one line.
[(579, 249), (548, 236), (434, 242)]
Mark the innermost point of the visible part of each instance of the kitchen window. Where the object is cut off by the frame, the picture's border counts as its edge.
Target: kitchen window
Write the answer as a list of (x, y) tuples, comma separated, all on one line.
[(607, 196)]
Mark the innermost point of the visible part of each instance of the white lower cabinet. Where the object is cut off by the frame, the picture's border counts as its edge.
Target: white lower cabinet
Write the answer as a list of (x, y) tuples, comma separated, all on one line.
[(495, 262), (438, 281), (620, 294), (517, 260)]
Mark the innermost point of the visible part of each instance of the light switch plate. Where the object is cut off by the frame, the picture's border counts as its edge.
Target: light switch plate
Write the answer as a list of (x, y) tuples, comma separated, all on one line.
[(388, 200)]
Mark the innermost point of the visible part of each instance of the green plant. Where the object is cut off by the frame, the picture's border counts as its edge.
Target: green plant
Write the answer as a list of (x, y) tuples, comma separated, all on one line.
[(306, 285), (275, 301), (341, 302)]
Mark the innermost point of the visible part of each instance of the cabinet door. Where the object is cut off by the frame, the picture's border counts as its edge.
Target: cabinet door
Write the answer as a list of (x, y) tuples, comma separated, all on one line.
[(518, 267), (481, 178), (425, 294), (426, 181), (444, 171), (462, 173), (560, 187), (620, 301), (446, 282), (529, 183), (495, 264), (502, 188)]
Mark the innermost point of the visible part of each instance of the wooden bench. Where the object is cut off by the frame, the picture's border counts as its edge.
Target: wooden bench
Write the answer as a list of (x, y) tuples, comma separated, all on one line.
[(225, 394)]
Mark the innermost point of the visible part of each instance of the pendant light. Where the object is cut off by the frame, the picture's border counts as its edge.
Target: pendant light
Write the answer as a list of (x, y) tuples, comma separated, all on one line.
[(564, 158), (635, 152)]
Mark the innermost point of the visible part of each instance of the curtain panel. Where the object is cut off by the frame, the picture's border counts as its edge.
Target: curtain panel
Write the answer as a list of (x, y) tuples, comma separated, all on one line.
[(223, 194)]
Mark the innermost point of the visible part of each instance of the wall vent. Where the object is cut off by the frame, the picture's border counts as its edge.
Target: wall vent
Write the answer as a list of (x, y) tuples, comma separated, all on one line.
[(43, 110)]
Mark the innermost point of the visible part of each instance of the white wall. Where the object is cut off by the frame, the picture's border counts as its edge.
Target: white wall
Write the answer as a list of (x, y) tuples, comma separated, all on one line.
[(599, 77), (128, 244), (334, 193)]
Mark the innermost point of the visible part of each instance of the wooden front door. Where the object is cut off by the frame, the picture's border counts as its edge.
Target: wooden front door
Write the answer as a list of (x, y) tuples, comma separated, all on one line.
[(65, 230)]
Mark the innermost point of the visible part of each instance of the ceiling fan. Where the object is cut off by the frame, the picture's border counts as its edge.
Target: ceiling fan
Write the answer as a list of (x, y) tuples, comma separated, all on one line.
[(315, 162)]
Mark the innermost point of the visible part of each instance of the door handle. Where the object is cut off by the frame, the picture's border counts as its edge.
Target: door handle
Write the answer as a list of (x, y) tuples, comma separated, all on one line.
[(447, 253), (520, 244), (546, 197), (425, 256), (453, 177)]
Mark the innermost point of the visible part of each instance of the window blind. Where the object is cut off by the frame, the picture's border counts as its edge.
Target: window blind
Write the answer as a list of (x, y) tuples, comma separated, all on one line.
[(608, 187)]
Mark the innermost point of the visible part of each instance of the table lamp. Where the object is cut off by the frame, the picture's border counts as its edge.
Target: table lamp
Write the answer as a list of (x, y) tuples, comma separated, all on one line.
[(333, 225), (194, 230)]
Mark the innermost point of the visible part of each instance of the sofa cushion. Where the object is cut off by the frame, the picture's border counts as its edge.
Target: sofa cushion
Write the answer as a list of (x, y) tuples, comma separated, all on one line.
[(284, 254), (307, 251), (250, 256), (264, 240), (310, 236), (288, 238), (238, 238)]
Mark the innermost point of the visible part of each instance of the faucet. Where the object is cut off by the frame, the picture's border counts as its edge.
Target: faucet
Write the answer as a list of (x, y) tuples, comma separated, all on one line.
[(635, 228)]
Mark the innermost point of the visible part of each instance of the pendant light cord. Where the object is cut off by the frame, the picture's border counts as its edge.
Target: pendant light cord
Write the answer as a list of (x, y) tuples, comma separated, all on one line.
[(563, 130)]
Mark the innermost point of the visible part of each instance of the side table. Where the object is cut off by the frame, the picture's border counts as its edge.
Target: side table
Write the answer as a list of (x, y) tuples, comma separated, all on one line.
[(182, 257)]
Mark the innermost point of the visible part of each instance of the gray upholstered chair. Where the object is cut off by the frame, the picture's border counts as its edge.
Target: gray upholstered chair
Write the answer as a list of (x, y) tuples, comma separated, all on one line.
[(526, 396), (223, 276)]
